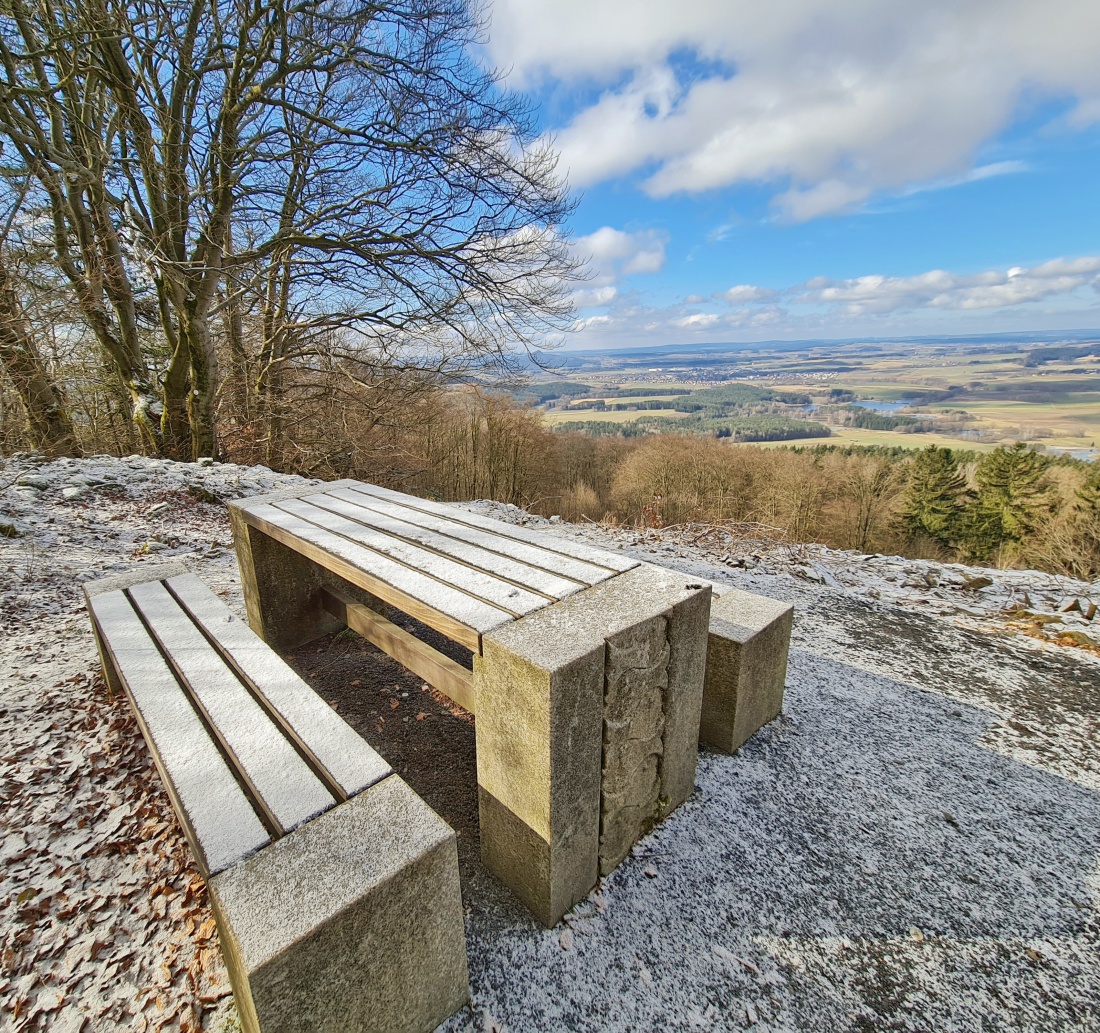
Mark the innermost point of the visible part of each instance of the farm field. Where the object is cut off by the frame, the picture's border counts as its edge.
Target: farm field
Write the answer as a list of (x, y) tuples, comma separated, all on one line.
[(556, 416), (889, 438), (1070, 422), (617, 399), (1003, 392)]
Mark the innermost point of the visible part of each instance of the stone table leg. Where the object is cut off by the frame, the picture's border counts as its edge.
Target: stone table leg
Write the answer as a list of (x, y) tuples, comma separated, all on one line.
[(281, 587), (587, 731)]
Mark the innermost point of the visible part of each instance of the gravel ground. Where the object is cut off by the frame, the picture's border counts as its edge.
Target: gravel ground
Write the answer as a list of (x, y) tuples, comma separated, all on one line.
[(912, 845)]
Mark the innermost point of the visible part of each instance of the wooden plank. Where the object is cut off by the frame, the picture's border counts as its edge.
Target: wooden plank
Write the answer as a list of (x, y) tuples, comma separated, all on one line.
[(339, 756), (612, 562), (583, 573), (450, 612), (394, 521), (267, 763), (218, 819), (475, 583), (434, 667)]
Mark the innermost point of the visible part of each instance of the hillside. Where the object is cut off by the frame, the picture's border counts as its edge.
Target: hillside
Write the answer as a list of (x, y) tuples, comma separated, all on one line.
[(912, 845)]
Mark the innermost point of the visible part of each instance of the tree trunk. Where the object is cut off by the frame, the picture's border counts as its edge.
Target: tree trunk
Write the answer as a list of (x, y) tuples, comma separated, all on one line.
[(195, 332), (48, 424)]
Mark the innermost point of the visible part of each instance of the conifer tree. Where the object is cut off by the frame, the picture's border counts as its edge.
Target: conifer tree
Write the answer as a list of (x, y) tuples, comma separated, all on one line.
[(935, 496), (1012, 497), (1086, 516)]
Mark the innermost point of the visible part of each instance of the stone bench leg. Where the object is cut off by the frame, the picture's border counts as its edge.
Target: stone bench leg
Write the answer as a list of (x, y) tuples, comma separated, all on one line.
[(587, 731), (281, 587), (353, 922), (746, 667)]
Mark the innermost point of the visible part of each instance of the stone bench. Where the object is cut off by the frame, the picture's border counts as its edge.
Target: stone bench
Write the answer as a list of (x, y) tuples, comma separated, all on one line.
[(334, 886), (587, 665), (746, 675)]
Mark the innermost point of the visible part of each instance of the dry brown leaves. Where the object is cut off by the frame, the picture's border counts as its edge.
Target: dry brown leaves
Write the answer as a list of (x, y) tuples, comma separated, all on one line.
[(1045, 628), (105, 922)]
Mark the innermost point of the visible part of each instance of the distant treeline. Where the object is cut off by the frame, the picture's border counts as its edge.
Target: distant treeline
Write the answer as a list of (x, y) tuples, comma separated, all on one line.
[(1064, 353), (744, 428), (548, 392), (1010, 506), (644, 390)]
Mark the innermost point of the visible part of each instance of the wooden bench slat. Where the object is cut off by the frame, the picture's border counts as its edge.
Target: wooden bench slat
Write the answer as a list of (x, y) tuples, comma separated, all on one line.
[(392, 520), (218, 819), (352, 764), (514, 600), (611, 562), (451, 612), (268, 763)]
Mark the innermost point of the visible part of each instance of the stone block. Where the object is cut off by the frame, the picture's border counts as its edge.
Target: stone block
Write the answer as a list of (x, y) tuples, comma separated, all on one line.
[(746, 666), (581, 708), (538, 760), (350, 924), (689, 621)]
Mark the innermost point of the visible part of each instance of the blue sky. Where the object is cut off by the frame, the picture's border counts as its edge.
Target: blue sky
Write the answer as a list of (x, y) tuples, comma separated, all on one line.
[(820, 168)]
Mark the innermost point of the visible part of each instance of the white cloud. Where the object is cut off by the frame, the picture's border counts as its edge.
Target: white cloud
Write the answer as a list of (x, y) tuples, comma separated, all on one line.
[(595, 296), (698, 321), (937, 289), (743, 293), (935, 301), (618, 253), (832, 100), (613, 254)]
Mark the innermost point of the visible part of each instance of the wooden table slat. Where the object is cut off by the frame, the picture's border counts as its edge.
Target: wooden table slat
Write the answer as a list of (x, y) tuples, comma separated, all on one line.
[(476, 583), (393, 520), (570, 559), (219, 820), (269, 764), (451, 612)]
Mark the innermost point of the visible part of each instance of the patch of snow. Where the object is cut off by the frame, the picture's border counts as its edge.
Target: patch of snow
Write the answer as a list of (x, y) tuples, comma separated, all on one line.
[(912, 845)]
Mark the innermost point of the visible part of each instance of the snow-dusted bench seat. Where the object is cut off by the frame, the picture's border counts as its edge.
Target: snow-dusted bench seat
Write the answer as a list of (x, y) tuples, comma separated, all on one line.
[(335, 887)]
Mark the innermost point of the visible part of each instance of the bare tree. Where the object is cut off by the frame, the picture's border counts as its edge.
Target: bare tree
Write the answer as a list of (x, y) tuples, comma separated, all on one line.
[(49, 426), (55, 122), (344, 170)]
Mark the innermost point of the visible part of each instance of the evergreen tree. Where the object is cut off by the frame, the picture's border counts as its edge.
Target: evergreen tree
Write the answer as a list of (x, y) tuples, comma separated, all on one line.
[(1086, 517), (935, 496), (1013, 495)]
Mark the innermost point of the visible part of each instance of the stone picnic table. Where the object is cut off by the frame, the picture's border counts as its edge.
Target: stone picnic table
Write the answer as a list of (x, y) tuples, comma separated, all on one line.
[(587, 665)]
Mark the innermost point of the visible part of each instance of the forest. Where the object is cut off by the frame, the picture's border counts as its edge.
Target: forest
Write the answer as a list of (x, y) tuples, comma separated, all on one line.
[(1012, 506), (218, 218)]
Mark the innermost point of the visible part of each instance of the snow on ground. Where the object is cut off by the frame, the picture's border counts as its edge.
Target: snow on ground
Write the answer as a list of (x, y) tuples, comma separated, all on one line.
[(913, 845)]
